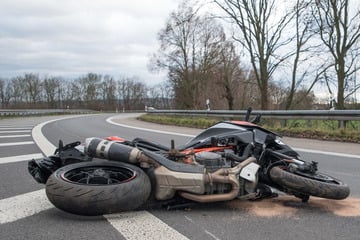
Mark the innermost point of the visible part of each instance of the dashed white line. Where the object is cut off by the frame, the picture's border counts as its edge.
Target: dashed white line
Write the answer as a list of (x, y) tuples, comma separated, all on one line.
[(143, 225), (20, 158), (16, 131), (15, 128), (27, 204), (206, 231), (15, 136), (212, 235), (16, 143), (24, 205)]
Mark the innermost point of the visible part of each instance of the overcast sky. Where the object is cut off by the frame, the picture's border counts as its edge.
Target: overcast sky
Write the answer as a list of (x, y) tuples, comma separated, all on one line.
[(70, 38)]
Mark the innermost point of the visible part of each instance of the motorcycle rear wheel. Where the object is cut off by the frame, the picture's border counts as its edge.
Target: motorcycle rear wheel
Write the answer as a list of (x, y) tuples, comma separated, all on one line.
[(319, 185), (99, 187)]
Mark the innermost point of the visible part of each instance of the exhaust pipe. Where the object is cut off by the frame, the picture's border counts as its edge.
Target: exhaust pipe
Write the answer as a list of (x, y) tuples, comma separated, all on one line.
[(213, 178), (101, 148), (221, 176)]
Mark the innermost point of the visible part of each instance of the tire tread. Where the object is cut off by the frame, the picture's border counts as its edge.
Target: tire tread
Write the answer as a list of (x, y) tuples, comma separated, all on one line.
[(309, 186), (98, 199)]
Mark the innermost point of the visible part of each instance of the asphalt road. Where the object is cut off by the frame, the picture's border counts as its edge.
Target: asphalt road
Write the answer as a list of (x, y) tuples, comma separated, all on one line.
[(25, 212)]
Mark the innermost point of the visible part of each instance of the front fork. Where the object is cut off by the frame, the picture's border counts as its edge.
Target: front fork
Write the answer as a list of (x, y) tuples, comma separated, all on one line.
[(293, 164)]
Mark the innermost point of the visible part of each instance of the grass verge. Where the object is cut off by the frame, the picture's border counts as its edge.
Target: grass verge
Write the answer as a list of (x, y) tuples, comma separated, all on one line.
[(320, 130)]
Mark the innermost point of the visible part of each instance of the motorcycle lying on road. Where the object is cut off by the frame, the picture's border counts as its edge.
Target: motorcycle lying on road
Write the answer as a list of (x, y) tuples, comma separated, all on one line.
[(229, 160)]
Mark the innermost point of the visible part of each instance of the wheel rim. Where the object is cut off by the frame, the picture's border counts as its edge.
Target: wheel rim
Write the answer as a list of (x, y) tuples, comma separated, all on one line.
[(99, 175)]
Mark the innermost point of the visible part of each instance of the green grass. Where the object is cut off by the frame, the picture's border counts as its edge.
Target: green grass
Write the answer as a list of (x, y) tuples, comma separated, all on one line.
[(314, 129), (195, 122)]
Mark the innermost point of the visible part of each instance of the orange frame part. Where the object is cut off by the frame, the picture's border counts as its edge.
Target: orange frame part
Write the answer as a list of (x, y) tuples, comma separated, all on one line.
[(210, 149)]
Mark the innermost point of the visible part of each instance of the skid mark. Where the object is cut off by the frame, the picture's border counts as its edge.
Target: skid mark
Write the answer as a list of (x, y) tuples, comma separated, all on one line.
[(287, 206), (349, 207), (265, 208)]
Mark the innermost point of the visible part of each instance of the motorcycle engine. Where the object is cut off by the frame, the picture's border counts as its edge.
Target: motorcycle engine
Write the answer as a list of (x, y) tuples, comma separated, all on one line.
[(212, 162)]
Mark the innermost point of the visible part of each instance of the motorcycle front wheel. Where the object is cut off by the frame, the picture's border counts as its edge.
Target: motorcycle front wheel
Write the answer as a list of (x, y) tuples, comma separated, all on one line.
[(318, 184), (96, 188)]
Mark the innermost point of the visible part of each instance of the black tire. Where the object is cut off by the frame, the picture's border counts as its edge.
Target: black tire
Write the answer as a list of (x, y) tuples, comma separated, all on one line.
[(328, 188), (114, 187)]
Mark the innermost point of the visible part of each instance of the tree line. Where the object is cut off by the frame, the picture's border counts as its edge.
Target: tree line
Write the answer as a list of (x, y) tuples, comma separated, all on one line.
[(91, 91), (105, 93)]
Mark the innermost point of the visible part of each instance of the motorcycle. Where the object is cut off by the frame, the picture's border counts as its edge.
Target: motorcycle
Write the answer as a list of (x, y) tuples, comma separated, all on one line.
[(229, 160)]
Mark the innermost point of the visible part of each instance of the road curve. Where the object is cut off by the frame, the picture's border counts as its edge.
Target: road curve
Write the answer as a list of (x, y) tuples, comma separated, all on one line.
[(310, 145), (281, 218)]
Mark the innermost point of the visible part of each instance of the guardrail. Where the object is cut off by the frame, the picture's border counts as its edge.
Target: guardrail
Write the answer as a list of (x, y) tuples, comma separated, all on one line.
[(33, 112), (340, 115)]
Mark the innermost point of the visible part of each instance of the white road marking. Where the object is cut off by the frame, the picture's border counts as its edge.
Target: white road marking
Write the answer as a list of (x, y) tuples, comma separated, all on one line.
[(110, 120), (140, 225), (15, 128), (28, 204), (16, 143), (45, 146), (20, 158), (206, 231), (16, 131), (327, 153), (212, 235), (15, 136), (24, 205)]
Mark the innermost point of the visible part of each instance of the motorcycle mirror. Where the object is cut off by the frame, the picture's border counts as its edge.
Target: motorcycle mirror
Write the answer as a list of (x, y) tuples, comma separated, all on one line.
[(61, 144), (256, 120), (248, 113), (172, 144)]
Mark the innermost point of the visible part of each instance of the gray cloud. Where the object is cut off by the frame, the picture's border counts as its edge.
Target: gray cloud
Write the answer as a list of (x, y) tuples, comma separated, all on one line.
[(71, 38)]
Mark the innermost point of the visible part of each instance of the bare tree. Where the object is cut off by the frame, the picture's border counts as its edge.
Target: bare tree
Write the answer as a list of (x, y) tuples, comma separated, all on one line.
[(340, 33), (77, 91), (88, 86), (261, 36), (32, 87), (189, 50), (161, 96), (176, 54), (131, 93), (2, 93), (230, 77), (108, 92), (303, 25), (51, 88), (66, 95), (5, 93)]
